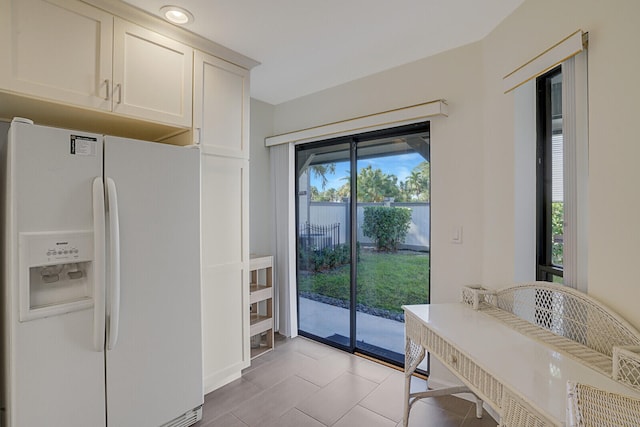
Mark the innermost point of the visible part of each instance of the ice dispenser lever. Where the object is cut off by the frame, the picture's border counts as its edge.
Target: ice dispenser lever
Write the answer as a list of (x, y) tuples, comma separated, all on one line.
[(50, 278), (74, 272)]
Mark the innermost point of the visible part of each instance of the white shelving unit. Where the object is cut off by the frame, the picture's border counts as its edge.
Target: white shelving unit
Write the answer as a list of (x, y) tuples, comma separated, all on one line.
[(261, 300)]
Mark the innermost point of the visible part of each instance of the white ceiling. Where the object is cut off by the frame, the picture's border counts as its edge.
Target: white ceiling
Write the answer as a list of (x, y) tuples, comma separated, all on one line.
[(305, 46)]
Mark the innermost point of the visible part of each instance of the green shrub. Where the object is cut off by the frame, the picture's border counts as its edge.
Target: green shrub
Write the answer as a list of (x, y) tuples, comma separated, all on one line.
[(324, 259), (387, 226), (557, 231)]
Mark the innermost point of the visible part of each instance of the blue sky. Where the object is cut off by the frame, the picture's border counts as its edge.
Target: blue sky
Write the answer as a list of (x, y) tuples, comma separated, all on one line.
[(400, 165)]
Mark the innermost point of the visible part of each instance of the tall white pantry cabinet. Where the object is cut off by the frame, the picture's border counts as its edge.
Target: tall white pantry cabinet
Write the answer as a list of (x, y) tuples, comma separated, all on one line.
[(103, 66), (221, 127)]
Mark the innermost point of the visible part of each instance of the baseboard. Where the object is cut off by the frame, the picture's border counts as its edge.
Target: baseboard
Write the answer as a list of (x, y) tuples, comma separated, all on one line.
[(219, 379)]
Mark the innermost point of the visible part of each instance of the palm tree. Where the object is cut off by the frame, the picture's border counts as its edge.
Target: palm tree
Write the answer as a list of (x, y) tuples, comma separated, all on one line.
[(414, 185), (321, 171), (418, 182), (374, 185), (314, 193)]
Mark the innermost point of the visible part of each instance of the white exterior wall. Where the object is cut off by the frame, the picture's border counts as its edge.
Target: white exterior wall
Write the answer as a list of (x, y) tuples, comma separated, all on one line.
[(328, 213)]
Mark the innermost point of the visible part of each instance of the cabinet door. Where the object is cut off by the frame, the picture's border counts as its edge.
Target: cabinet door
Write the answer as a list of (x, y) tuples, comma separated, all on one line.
[(221, 106), (57, 49), (152, 75), (225, 269)]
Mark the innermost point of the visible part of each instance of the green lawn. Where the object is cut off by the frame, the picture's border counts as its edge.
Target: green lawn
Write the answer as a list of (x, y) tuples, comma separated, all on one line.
[(385, 280)]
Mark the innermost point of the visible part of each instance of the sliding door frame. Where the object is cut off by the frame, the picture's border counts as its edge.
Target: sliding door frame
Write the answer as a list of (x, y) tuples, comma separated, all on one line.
[(353, 140)]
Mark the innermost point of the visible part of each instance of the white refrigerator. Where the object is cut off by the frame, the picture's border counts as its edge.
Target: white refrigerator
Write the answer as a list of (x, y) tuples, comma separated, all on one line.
[(101, 287)]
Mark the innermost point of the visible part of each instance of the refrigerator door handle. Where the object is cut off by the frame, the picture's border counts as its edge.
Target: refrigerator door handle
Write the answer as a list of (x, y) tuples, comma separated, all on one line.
[(99, 239), (114, 265)]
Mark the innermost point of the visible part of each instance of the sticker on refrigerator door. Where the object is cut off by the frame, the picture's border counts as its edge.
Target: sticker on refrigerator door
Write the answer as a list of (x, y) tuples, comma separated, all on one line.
[(83, 145)]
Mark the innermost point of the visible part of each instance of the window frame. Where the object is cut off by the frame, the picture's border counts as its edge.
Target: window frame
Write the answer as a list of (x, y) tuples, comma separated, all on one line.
[(545, 269)]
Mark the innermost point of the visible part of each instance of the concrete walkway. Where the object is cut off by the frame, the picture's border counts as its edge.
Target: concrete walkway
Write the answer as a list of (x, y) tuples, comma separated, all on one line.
[(326, 320)]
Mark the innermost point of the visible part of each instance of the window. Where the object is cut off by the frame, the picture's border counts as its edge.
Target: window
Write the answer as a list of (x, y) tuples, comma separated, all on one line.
[(551, 147), (550, 178)]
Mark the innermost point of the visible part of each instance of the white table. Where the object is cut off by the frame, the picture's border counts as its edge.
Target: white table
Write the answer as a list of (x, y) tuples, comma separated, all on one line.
[(520, 378)]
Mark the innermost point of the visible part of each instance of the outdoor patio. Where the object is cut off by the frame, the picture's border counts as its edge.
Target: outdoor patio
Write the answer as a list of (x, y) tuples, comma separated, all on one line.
[(328, 320)]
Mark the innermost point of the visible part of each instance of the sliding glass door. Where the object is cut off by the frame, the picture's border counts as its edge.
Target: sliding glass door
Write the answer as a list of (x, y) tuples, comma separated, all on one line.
[(323, 241), (393, 240), (363, 238)]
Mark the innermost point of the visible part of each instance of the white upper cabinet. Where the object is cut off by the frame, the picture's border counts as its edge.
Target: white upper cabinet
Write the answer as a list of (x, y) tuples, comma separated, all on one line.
[(67, 51), (59, 50), (152, 75), (221, 107)]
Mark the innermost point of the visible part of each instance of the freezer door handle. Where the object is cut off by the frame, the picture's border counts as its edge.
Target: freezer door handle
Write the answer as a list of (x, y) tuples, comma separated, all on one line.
[(113, 308), (99, 230)]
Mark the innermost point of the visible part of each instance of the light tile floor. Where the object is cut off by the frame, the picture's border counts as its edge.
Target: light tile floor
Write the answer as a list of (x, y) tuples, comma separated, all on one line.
[(302, 383)]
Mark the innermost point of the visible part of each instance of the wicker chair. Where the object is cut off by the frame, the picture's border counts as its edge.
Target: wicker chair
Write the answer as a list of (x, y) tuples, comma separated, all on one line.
[(591, 407)]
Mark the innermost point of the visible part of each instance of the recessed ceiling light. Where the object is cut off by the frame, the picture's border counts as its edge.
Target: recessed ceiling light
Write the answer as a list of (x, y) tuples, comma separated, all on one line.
[(176, 15)]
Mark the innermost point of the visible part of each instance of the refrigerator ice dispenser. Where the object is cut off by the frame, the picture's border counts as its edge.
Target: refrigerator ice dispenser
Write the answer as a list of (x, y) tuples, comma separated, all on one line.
[(55, 273)]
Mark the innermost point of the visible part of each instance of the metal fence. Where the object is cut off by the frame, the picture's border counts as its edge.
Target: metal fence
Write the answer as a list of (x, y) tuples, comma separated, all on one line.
[(318, 237)]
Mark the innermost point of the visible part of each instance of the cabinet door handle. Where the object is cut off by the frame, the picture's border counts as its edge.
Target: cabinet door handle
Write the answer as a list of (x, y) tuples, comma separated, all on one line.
[(107, 84), (198, 136), (119, 88)]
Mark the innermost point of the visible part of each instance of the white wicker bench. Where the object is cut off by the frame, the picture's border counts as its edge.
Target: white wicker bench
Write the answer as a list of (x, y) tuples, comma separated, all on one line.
[(570, 322)]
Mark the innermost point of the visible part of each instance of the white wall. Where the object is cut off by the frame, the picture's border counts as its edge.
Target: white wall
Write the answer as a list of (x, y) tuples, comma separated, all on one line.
[(456, 148), (614, 209), (260, 209), (473, 149), (456, 152)]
